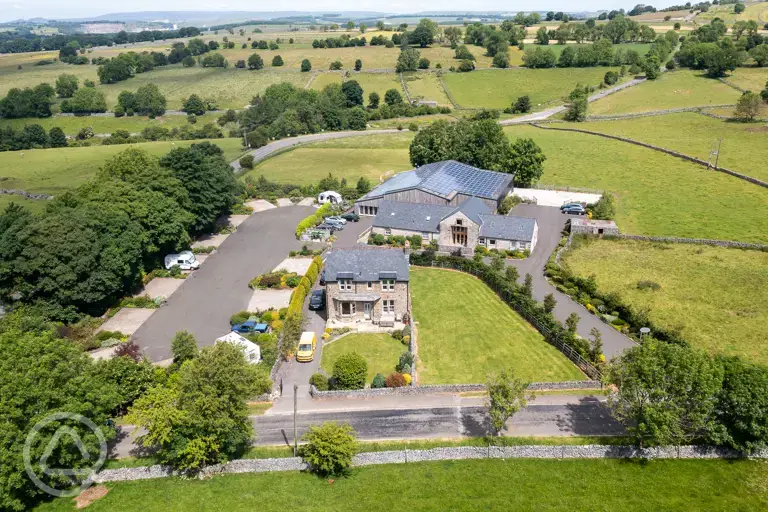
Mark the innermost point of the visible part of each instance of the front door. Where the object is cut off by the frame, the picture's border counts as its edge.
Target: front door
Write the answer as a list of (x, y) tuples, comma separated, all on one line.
[(367, 311)]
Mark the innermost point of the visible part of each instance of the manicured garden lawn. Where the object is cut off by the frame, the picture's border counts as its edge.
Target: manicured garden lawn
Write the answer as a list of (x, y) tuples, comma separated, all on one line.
[(683, 88), (744, 147), (135, 124), (381, 351), (656, 194), (426, 86), (524, 485), (717, 296), (55, 170), (465, 331), (500, 88), (369, 156)]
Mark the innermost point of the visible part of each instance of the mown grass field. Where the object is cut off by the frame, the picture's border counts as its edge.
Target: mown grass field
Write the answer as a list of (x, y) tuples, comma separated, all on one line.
[(368, 156), (53, 171), (381, 352), (541, 485), (465, 331), (750, 79), (426, 86), (743, 149), (73, 124), (656, 194), (683, 88), (717, 297), (500, 88)]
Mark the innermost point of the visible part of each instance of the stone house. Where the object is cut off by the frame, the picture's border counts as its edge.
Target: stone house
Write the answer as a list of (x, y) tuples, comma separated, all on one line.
[(462, 227), (367, 285), (594, 227)]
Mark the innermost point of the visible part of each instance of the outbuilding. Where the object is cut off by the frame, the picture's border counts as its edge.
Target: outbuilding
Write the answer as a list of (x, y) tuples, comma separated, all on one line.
[(594, 227), (250, 349)]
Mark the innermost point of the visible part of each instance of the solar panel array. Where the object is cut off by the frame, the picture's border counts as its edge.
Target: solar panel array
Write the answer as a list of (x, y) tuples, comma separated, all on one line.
[(464, 179)]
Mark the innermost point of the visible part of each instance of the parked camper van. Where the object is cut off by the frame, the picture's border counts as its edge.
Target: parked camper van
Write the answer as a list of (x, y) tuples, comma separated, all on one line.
[(329, 196), (185, 260)]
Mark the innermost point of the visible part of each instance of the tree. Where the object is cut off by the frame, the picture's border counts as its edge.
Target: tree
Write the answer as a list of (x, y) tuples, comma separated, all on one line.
[(373, 100), (194, 105), (501, 60), (188, 61), (350, 25), (748, 106), (651, 67), (149, 101), (572, 322), (511, 274), (408, 60), (596, 345), (85, 101), (66, 85), (453, 35), (506, 396), (424, 63), (741, 406), (528, 285), (356, 118), (393, 97), (201, 417), (256, 62), (277, 61), (667, 394), (183, 348), (764, 93), (739, 7), (422, 36), (463, 53), (363, 186), (363, 28), (349, 371), (305, 65), (522, 105), (577, 105), (57, 137), (542, 36), (526, 162), (329, 448), (549, 303), (358, 65), (35, 102), (353, 92)]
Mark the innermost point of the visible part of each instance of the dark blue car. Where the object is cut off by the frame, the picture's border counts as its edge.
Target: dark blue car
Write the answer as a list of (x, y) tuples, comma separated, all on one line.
[(250, 327)]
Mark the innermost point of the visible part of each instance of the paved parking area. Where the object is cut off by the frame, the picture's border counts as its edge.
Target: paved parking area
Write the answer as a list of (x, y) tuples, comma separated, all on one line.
[(236, 220), (127, 320), (262, 300), (161, 287), (260, 205), (210, 295), (209, 241), (555, 197), (298, 265)]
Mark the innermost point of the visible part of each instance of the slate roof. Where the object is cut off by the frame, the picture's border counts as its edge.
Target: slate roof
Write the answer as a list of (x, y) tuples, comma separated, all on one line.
[(507, 228), (367, 264), (446, 179)]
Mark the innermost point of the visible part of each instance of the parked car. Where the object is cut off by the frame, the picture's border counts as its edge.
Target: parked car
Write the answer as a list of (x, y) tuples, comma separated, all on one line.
[(575, 209), (336, 218), (327, 227), (317, 300), (569, 204), (338, 226), (351, 216), (251, 326), (184, 260), (322, 278), (307, 344)]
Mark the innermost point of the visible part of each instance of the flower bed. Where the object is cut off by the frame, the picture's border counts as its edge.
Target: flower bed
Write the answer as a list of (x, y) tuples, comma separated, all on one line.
[(278, 280)]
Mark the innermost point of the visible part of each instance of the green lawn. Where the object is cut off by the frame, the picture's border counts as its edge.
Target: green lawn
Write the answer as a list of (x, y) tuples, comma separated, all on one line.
[(426, 86), (134, 124), (500, 88), (465, 331), (381, 351), (526, 485), (751, 79), (683, 88), (342, 157), (717, 296), (55, 170), (744, 148), (656, 194)]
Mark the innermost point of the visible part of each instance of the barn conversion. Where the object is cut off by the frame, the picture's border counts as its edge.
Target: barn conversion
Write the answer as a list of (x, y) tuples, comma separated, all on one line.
[(447, 183)]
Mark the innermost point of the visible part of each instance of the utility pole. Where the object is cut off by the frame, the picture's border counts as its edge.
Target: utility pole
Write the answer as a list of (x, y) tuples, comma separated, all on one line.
[(295, 405)]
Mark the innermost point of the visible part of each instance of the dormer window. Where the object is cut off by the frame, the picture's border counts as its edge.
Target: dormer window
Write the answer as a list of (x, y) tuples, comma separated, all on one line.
[(345, 284), (388, 285)]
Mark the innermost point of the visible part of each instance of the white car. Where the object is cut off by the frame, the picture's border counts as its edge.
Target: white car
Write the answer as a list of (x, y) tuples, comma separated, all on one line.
[(184, 260), (337, 219)]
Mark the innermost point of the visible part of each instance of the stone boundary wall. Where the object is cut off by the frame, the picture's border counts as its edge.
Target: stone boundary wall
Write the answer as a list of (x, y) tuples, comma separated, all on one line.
[(651, 113), (732, 85), (24, 194), (695, 241), (438, 454), (445, 388), (662, 150), (311, 79), (404, 88), (448, 93)]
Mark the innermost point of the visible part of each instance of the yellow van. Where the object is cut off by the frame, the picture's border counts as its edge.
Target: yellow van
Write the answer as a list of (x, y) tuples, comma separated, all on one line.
[(307, 345)]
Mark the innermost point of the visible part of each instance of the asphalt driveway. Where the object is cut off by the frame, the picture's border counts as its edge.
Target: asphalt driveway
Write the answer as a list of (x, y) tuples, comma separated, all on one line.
[(551, 223), (210, 295)]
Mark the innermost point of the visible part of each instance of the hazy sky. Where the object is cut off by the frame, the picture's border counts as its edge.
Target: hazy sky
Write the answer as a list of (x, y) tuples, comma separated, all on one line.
[(82, 8)]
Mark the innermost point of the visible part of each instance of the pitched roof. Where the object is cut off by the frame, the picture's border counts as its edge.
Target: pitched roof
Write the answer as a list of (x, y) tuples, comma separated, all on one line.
[(473, 208), (446, 179), (411, 216), (367, 264), (507, 228)]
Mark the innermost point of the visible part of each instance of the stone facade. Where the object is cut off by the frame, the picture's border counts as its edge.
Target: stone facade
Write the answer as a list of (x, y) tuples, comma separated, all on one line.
[(351, 304), (594, 227), (456, 228), (425, 235)]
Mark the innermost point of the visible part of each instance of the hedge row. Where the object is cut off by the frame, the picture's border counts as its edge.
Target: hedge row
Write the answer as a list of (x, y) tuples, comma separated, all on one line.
[(305, 286), (313, 220)]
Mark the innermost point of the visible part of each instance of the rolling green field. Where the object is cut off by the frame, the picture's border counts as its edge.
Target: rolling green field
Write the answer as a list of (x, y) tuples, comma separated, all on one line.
[(640, 48), (426, 86), (683, 88), (33, 206), (743, 149), (381, 351), (53, 171), (465, 331), (370, 82), (656, 194), (100, 124), (750, 79), (717, 296), (540, 485), (342, 158), (500, 88)]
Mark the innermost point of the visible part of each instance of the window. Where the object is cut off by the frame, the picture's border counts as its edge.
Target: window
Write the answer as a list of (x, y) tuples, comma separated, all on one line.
[(388, 306), (369, 285), (388, 285), (459, 235), (368, 210), (387, 231), (345, 284), (425, 236), (459, 222), (347, 308), (481, 241), (492, 241)]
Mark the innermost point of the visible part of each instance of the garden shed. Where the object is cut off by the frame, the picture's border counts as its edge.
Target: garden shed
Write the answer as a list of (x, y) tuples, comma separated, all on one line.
[(251, 350)]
